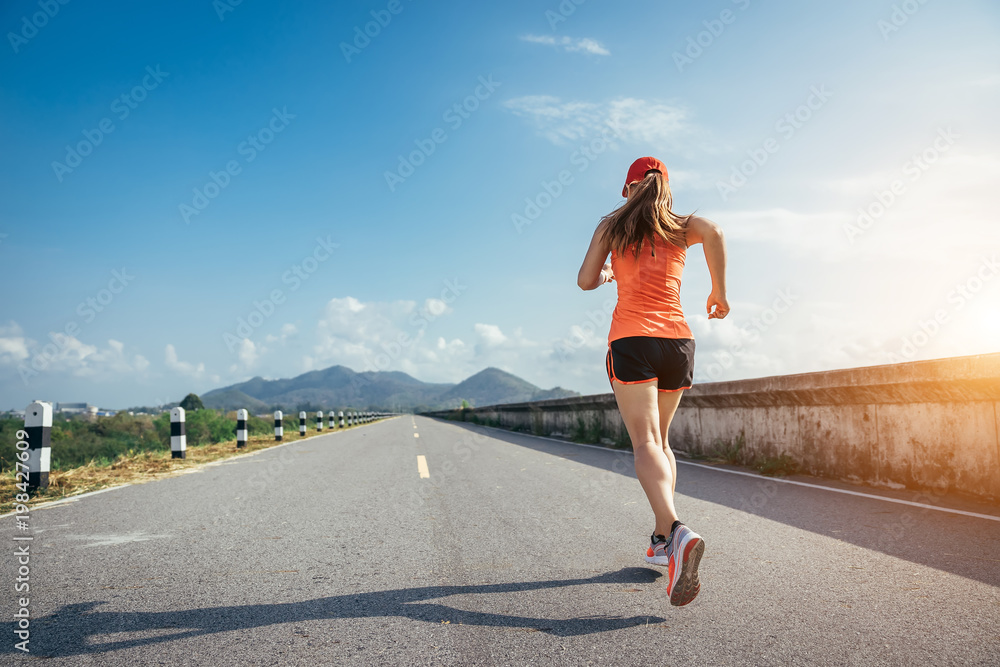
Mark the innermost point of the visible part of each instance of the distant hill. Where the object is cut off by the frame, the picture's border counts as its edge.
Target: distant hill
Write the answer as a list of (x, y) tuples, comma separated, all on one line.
[(339, 387), (492, 386)]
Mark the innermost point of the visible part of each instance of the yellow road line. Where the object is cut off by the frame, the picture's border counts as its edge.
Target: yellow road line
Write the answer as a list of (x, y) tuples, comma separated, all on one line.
[(422, 467)]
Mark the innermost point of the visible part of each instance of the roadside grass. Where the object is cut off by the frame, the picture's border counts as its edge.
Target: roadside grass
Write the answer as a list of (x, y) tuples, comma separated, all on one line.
[(728, 452), (775, 466), (139, 466), (732, 452)]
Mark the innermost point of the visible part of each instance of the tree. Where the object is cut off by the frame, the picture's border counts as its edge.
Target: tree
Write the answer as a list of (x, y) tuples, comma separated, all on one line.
[(192, 402)]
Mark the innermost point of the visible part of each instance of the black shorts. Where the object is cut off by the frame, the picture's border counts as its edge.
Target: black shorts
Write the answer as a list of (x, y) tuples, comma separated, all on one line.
[(637, 359)]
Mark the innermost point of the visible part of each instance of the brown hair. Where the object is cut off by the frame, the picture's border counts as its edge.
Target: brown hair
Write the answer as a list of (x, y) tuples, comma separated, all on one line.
[(646, 213)]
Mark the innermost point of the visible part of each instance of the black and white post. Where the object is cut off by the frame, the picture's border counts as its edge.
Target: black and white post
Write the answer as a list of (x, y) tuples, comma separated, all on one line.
[(38, 425), (319, 420), (241, 428), (330, 421), (341, 419), (279, 427), (178, 438), (302, 424)]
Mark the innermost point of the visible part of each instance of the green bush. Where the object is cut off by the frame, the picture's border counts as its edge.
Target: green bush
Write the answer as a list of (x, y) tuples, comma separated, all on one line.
[(260, 426), (191, 403), (202, 427), (731, 451), (775, 466), (588, 431), (77, 442)]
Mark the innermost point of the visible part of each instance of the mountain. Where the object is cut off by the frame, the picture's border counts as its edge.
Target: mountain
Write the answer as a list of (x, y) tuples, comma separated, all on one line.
[(492, 386), (339, 387)]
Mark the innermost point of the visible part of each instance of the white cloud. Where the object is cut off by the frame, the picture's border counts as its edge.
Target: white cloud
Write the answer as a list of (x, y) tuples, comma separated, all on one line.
[(287, 331), (93, 362), (454, 345), (248, 352), (13, 344), (185, 368), (66, 355), (569, 44), (379, 335), (899, 229), (797, 233), (490, 334), (384, 336), (657, 125), (985, 81)]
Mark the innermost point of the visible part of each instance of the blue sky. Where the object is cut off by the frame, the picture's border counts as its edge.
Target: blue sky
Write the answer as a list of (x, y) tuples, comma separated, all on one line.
[(396, 204)]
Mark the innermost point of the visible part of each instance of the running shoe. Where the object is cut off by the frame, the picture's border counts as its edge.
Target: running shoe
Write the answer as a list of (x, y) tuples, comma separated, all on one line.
[(657, 551), (684, 551)]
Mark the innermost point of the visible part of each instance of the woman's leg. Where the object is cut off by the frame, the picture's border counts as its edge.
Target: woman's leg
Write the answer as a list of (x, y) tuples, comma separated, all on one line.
[(639, 406), (668, 401)]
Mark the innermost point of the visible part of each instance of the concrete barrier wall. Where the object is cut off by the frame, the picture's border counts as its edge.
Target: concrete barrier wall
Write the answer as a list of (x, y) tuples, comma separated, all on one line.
[(930, 425)]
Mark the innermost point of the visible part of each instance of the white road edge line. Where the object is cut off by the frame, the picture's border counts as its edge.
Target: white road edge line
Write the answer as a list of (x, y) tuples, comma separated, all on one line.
[(848, 492)]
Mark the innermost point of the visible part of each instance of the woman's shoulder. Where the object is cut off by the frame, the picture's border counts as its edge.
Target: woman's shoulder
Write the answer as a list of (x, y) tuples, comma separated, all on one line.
[(697, 227)]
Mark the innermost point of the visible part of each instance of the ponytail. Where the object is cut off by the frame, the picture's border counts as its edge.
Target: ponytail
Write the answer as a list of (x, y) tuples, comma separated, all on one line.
[(646, 214)]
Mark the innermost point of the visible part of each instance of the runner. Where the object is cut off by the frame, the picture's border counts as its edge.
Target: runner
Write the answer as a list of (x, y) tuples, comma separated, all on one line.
[(650, 359)]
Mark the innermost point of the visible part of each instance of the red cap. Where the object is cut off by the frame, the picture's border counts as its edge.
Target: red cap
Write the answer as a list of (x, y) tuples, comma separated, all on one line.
[(638, 170)]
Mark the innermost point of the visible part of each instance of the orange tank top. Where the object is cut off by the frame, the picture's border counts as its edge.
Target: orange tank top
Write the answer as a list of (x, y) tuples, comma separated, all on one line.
[(649, 292)]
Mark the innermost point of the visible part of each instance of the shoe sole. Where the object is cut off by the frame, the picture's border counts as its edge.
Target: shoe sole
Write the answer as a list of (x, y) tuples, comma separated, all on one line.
[(663, 561), (687, 586)]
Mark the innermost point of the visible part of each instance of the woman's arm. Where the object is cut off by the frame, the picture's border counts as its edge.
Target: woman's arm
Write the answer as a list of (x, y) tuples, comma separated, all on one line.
[(702, 230), (593, 264)]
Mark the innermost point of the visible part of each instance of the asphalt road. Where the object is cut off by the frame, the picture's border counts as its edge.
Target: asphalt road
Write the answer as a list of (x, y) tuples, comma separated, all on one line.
[(511, 550)]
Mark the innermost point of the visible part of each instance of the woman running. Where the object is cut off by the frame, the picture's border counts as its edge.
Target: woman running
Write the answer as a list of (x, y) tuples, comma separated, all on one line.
[(650, 359)]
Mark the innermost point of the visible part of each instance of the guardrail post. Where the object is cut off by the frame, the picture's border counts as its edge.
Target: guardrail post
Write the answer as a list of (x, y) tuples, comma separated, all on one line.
[(330, 421), (319, 420), (341, 419), (279, 427), (178, 437), (241, 428), (38, 424), (302, 424)]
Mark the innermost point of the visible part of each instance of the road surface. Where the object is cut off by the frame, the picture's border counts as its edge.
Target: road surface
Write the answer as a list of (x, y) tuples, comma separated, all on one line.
[(414, 541)]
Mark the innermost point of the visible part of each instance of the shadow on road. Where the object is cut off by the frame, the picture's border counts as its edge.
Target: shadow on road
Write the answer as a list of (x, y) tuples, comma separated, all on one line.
[(80, 630), (962, 545)]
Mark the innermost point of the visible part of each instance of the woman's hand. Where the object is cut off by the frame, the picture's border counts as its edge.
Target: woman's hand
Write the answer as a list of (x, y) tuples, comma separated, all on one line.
[(721, 306), (608, 274), (707, 232)]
